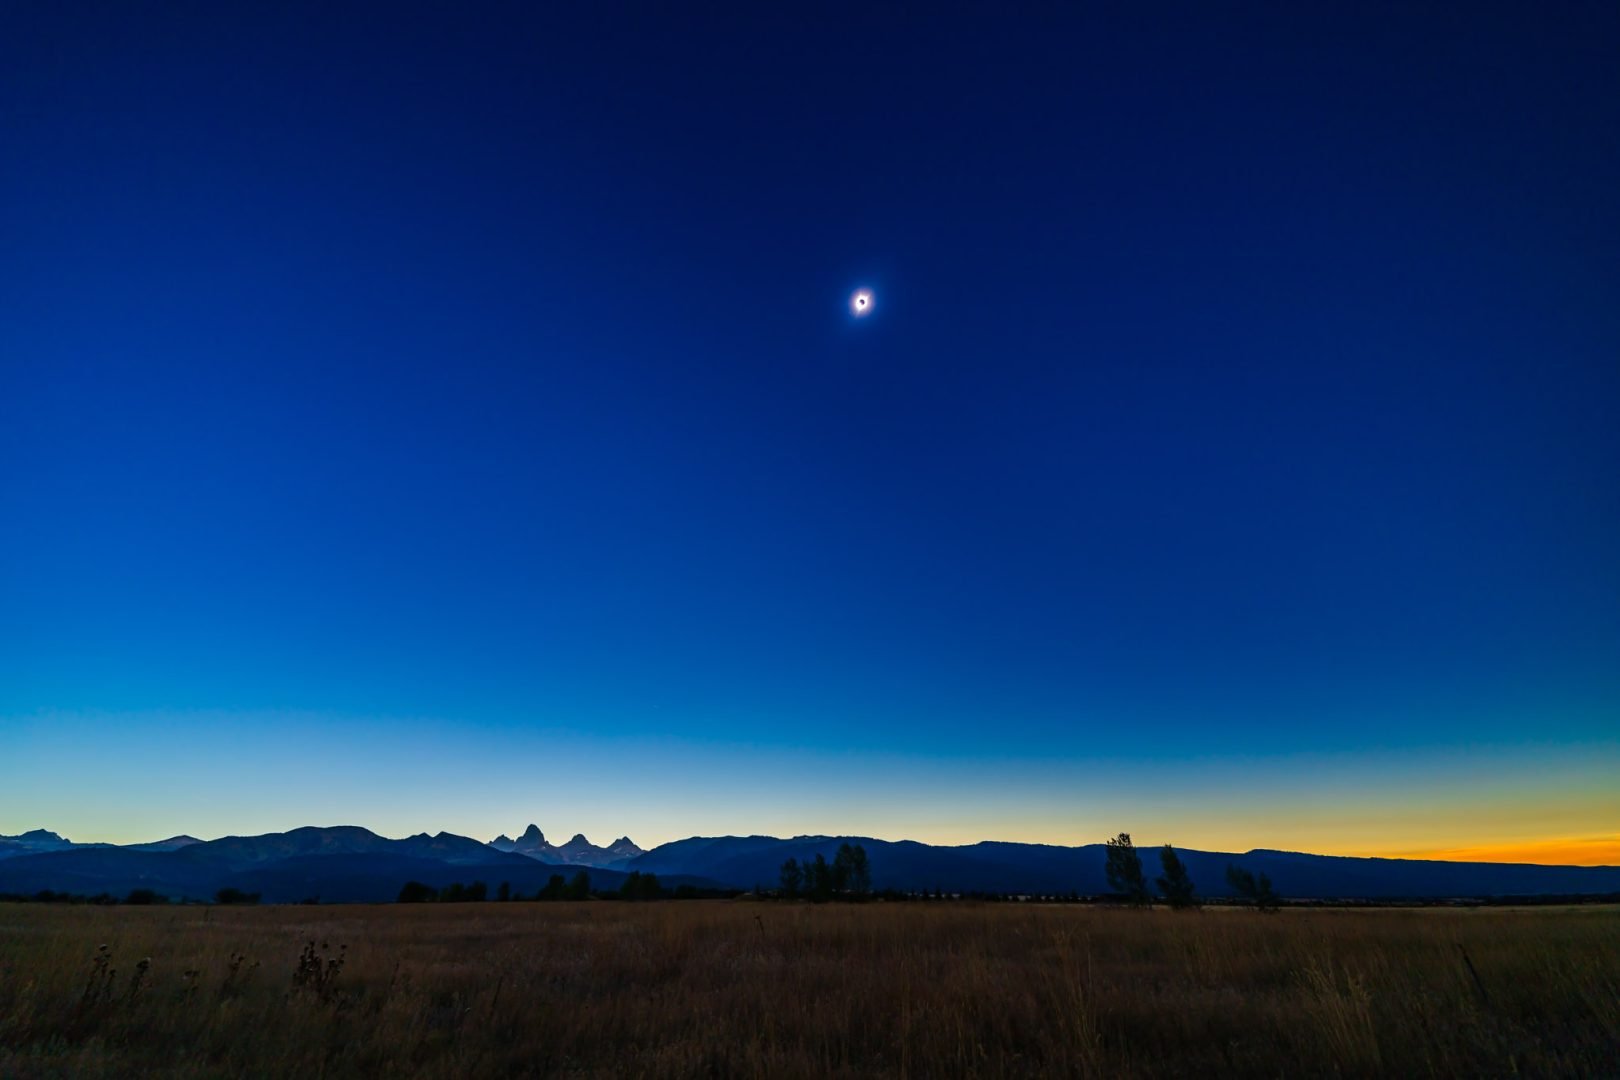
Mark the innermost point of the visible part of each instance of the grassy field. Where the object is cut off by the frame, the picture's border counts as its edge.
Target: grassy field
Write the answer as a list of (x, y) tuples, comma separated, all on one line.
[(759, 989)]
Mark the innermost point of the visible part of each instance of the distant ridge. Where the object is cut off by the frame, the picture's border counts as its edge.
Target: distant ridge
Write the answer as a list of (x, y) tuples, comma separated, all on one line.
[(1000, 867), (340, 863), (37, 840), (350, 863), (173, 843), (33, 840)]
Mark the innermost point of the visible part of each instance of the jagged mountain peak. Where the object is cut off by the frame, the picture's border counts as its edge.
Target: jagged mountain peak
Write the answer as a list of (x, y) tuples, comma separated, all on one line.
[(530, 841), (578, 851)]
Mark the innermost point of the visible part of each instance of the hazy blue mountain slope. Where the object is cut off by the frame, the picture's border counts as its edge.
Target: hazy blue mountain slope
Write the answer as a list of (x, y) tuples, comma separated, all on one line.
[(90, 871), (339, 840), (1039, 868), (373, 877), (34, 841), (42, 840)]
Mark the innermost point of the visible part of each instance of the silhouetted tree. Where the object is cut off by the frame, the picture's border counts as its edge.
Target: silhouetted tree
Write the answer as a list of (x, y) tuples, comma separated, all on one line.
[(556, 889), (1256, 891), (144, 896), (792, 879), (819, 880), (860, 873), (414, 892), (1175, 886), (840, 867), (1124, 870), (504, 892), (580, 887)]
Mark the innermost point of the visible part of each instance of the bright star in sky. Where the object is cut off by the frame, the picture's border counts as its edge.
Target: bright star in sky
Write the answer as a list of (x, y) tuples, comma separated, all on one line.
[(861, 303)]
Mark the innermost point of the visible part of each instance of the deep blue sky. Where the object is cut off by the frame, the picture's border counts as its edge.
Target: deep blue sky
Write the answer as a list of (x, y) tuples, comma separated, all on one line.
[(467, 400)]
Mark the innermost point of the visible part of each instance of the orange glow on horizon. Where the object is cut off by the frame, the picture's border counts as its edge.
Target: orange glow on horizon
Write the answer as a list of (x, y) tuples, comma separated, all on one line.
[(1560, 851)]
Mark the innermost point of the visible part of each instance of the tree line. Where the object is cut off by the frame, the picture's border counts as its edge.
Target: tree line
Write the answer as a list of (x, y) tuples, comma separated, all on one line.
[(135, 897), (847, 877), (1123, 867), (558, 888), (636, 886)]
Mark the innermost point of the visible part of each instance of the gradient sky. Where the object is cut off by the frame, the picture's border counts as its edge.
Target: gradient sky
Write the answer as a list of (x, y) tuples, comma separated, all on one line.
[(451, 417)]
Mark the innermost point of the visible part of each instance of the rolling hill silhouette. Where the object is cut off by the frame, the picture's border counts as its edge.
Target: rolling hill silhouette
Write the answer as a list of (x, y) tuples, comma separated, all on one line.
[(1000, 867), (348, 863)]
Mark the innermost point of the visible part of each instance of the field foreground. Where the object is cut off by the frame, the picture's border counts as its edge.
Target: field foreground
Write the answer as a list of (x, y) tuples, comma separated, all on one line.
[(760, 989)]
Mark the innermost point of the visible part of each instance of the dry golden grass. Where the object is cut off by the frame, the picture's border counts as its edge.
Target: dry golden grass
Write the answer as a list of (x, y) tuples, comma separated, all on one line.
[(748, 989)]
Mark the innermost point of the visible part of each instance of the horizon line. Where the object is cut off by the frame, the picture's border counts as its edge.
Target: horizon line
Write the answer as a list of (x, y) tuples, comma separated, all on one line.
[(1601, 846)]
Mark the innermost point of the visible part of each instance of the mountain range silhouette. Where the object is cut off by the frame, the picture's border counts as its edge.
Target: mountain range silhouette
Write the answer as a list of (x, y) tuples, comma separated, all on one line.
[(347, 863)]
